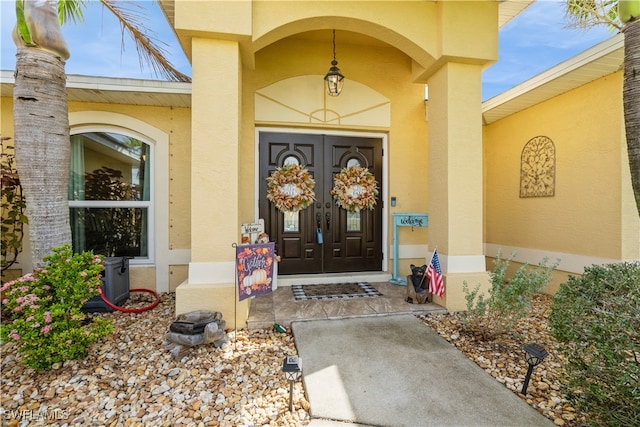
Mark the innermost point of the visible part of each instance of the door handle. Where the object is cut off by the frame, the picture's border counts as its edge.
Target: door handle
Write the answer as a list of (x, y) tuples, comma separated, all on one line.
[(319, 220), (328, 219)]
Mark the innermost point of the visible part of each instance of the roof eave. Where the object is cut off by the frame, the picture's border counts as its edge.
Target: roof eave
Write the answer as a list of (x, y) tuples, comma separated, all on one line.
[(594, 63)]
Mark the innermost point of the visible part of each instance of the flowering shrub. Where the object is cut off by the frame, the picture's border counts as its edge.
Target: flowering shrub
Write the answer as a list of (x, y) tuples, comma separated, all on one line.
[(42, 311)]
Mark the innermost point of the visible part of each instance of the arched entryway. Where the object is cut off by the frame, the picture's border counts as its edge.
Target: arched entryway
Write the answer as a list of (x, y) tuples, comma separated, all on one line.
[(395, 48)]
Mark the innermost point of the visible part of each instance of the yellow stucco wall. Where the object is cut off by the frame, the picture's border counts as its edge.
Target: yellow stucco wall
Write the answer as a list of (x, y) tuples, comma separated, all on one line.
[(589, 216), (6, 116)]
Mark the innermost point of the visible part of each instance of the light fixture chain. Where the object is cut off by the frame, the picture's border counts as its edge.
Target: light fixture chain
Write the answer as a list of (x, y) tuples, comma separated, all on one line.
[(334, 45)]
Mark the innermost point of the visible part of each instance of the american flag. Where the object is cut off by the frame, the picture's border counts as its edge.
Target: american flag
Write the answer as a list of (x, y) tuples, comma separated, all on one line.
[(434, 273)]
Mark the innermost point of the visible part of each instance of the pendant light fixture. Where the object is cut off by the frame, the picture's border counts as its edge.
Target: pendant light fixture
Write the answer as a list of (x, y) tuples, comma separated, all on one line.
[(334, 77)]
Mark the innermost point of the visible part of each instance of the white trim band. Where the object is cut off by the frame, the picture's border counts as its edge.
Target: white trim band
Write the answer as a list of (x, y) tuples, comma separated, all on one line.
[(201, 273), (452, 264), (571, 263)]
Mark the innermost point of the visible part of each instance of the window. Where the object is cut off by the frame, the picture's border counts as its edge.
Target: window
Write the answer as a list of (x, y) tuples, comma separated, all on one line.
[(110, 189)]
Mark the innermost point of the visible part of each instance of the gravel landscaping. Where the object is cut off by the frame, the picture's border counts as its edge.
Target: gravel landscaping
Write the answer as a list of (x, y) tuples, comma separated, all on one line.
[(130, 379), (504, 359)]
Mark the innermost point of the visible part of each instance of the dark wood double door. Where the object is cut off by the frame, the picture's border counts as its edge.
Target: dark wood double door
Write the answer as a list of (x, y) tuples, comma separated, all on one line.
[(322, 238)]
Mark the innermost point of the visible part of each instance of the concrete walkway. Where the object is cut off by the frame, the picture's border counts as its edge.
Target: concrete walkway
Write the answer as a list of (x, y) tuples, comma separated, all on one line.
[(395, 371)]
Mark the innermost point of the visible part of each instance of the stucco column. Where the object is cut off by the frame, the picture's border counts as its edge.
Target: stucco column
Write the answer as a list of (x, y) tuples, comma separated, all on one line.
[(215, 129), (455, 178)]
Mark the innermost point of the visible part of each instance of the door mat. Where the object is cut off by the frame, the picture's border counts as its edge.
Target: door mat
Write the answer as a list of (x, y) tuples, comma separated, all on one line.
[(334, 291)]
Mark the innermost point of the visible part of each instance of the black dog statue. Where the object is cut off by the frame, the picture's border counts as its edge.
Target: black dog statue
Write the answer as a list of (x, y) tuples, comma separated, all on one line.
[(417, 285)]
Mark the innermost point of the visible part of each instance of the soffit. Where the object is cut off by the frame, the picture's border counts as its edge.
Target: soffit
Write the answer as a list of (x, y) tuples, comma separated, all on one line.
[(507, 10), (116, 90), (596, 62)]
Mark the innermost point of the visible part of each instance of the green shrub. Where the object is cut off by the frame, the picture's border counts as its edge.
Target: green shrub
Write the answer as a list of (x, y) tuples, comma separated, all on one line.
[(596, 318), (42, 311), (508, 301)]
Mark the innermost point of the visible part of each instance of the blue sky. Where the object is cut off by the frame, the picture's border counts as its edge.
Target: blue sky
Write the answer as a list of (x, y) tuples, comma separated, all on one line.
[(535, 41)]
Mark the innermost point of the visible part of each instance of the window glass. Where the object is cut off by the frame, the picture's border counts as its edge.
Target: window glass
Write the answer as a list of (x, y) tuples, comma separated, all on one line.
[(107, 166), (291, 160), (353, 162), (110, 231), (353, 218), (353, 221), (110, 194), (292, 221)]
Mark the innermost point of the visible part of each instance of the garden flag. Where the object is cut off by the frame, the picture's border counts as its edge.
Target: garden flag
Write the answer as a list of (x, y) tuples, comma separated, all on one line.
[(254, 265), (434, 273)]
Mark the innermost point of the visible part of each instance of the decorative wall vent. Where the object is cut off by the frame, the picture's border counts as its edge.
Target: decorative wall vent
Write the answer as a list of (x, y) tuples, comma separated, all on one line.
[(538, 168)]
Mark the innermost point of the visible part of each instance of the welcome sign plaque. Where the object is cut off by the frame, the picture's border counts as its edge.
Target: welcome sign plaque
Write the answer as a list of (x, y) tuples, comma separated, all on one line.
[(404, 220)]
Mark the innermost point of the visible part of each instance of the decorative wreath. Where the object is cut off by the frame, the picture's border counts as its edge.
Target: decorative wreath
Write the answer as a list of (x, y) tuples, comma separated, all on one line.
[(290, 188), (355, 188)]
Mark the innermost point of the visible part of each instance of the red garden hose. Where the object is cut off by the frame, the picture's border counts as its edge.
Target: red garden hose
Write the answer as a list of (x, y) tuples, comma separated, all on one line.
[(132, 310)]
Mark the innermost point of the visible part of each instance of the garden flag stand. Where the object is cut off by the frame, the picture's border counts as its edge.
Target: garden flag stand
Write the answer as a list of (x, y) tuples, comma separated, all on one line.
[(254, 272)]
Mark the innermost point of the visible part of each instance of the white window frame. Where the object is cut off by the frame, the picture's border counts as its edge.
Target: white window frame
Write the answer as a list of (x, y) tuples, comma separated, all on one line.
[(149, 205)]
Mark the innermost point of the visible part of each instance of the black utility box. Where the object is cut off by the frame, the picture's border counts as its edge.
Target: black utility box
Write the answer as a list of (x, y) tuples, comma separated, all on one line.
[(115, 285)]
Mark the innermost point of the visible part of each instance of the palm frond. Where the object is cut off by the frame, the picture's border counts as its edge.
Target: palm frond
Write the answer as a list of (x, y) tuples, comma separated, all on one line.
[(71, 10), (22, 29), (132, 22), (589, 13)]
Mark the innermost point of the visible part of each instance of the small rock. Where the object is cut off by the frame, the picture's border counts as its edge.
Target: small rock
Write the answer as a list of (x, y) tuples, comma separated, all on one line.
[(160, 389)]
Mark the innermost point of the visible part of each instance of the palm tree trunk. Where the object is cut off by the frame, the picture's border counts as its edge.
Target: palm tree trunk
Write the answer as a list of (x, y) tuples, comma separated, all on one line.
[(41, 123), (631, 101)]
